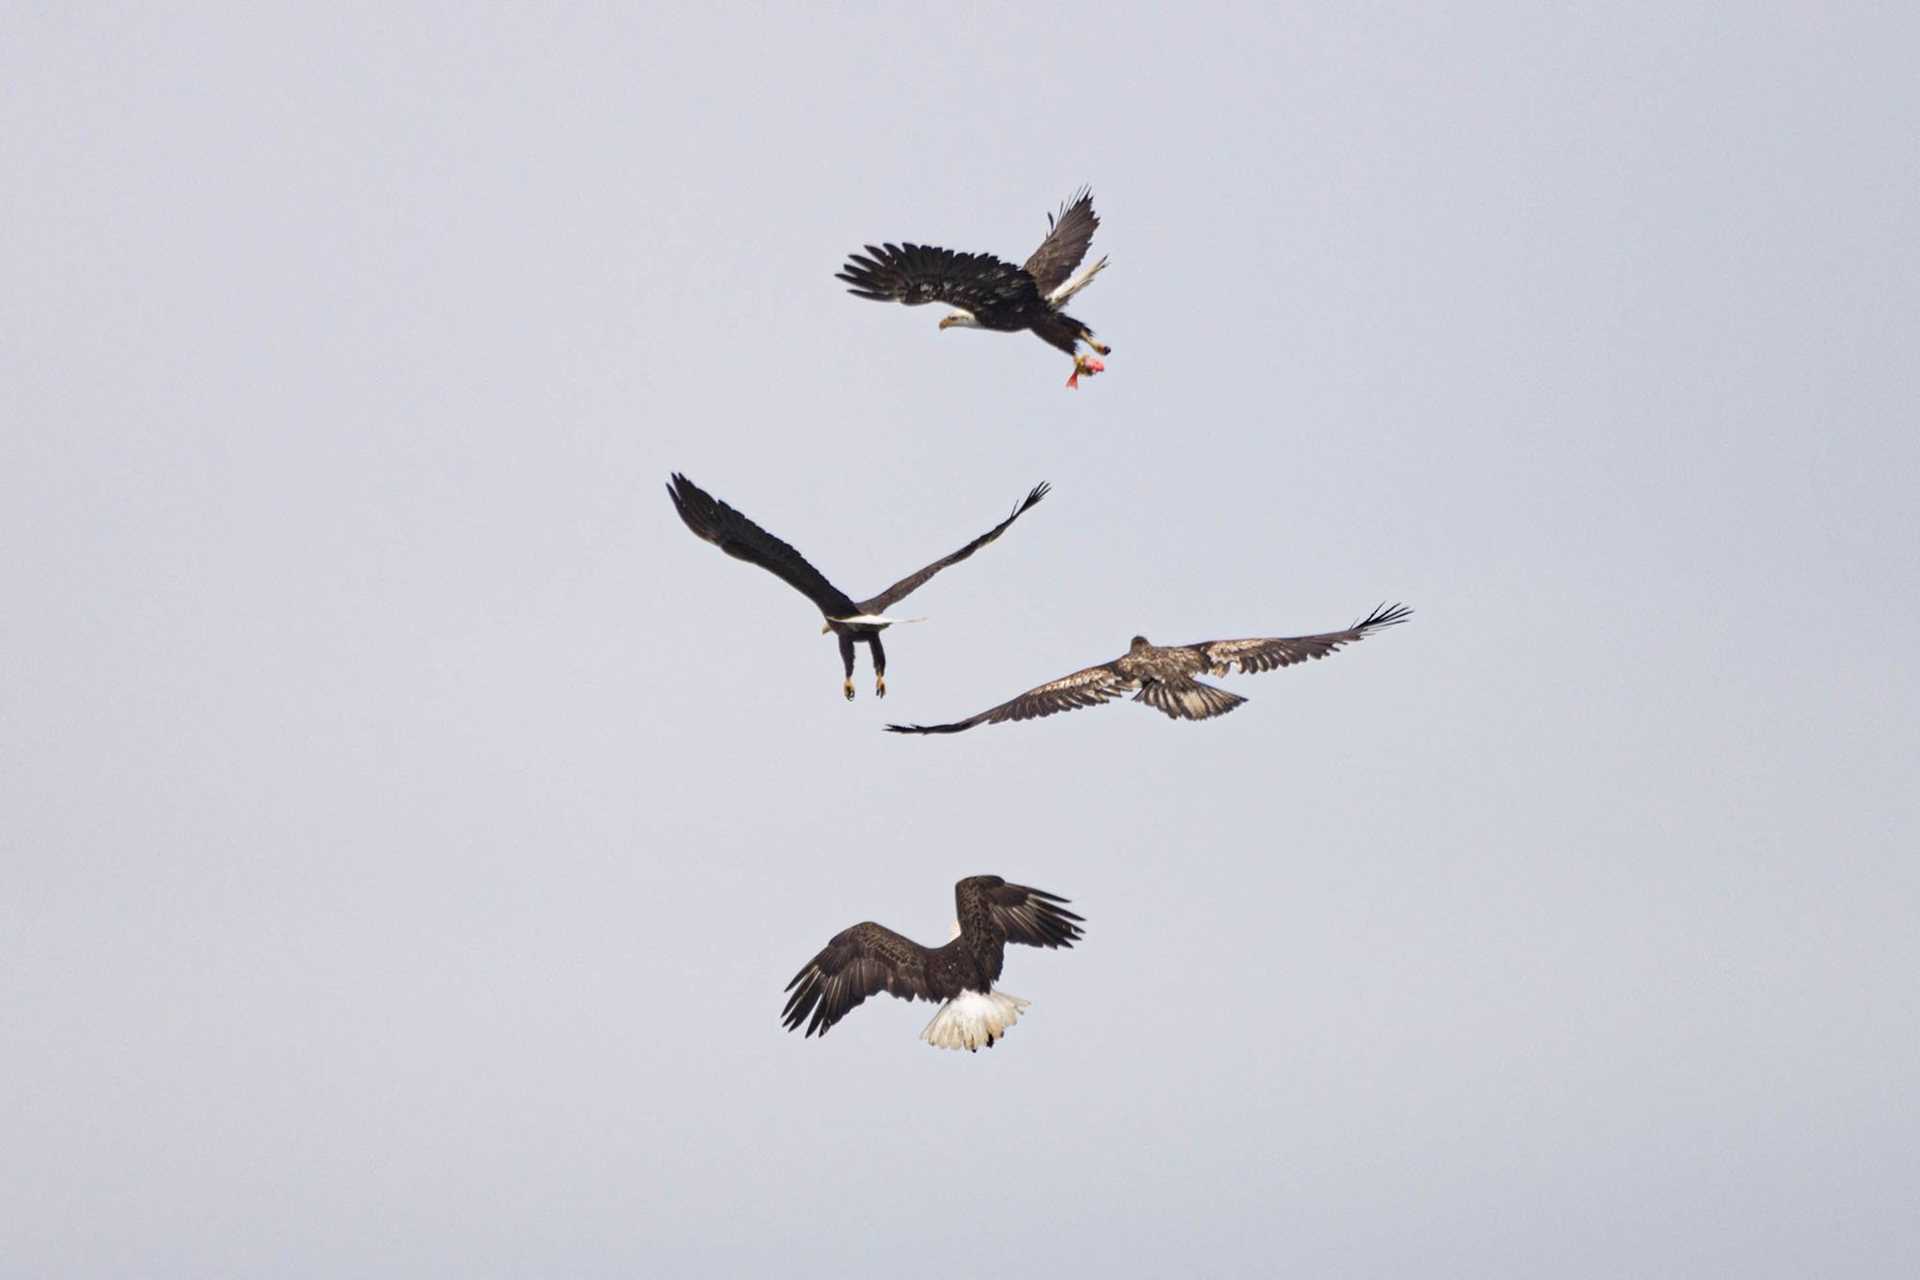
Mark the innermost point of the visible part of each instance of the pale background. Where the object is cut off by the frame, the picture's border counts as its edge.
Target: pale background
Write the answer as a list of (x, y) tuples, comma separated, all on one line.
[(409, 826)]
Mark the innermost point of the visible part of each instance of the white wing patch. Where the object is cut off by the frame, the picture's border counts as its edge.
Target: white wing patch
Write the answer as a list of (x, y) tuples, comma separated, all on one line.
[(1092, 675)]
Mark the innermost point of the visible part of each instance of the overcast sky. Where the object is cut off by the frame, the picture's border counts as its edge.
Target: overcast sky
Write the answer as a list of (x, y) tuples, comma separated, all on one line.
[(409, 827)]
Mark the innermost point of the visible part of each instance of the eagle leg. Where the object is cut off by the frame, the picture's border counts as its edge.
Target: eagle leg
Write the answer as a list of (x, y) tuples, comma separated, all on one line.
[(846, 661)]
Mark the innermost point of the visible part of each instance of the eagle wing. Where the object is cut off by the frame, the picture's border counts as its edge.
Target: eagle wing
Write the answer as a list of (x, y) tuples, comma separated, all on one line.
[(1088, 687), (1267, 653), (1066, 242), (742, 539), (859, 962), (912, 582), (1029, 916), (916, 274)]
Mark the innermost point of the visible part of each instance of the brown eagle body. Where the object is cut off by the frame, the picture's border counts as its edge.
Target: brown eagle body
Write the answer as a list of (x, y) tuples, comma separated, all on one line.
[(1162, 676), (870, 958)]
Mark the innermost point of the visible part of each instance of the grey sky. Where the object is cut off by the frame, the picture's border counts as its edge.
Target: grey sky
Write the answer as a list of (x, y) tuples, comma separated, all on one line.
[(410, 827)]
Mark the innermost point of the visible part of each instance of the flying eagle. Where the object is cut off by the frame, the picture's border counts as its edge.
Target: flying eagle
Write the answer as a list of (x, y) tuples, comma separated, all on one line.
[(1162, 676), (871, 958), (992, 294), (855, 622)]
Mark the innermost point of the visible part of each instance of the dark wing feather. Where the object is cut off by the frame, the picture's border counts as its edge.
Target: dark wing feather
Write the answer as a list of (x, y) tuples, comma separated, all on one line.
[(912, 582), (1088, 687), (859, 962), (1029, 916), (917, 274), (1265, 654), (1066, 243), (742, 539)]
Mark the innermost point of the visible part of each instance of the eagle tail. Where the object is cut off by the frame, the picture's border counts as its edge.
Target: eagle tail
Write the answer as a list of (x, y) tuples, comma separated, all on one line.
[(1059, 296), (1187, 699), (973, 1019), (873, 620)]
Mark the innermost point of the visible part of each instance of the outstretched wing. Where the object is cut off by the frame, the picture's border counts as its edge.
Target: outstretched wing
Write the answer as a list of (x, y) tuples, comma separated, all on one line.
[(742, 539), (1029, 916), (1088, 687), (912, 582), (917, 274), (859, 962), (1066, 242), (1265, 654)]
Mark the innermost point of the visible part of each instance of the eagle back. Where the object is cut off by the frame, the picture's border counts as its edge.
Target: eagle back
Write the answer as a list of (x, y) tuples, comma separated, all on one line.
[(968, 963), (1157, 662), (981, 936)]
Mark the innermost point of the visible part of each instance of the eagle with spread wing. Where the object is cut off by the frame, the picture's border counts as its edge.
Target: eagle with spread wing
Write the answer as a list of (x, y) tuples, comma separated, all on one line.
[(1162, 676), (854, 622), (991, 294), (869, 958)]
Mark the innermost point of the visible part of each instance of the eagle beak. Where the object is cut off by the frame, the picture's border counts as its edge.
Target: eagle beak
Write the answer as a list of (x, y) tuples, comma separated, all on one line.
[(946, 322)]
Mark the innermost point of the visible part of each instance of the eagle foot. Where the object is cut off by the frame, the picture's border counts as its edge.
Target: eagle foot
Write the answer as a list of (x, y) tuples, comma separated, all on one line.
[(846, 687), (879, 686)]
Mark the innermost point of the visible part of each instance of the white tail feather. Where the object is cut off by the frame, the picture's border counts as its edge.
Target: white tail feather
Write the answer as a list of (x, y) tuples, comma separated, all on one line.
[(875, 620), (973, 1019), (1059, 296)]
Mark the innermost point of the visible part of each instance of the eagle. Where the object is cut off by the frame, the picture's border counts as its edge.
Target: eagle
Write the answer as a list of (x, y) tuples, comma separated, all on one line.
[(871, 958), (992, 294), (1162, 676), (855, 622)]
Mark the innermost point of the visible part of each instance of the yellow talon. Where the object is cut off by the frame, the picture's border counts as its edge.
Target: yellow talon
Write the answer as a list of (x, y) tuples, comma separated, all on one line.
[(879, 686), (846, 687)]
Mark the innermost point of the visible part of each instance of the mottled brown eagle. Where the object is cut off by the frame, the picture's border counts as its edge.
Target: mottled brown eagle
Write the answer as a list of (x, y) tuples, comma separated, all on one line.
[(855, 622), (870, 958), (992, 294), (1162, 676)]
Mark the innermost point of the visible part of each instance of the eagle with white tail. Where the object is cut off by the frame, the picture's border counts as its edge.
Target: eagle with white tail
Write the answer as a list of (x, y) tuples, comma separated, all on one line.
[(1162, 676), (991, 294), (853, 621), (869, 958)]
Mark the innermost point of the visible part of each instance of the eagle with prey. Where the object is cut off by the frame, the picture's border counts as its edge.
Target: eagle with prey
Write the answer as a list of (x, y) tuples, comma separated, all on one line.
[(991, 294), (1162, 676), (869, 958), (854, 622)]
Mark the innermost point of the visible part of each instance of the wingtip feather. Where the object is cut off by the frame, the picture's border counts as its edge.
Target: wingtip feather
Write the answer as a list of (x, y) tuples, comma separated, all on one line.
[(1384, 615)]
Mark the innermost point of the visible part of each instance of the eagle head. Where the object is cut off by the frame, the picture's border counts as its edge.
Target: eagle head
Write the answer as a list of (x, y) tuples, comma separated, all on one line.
[(960, 319), (1139, 643)]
